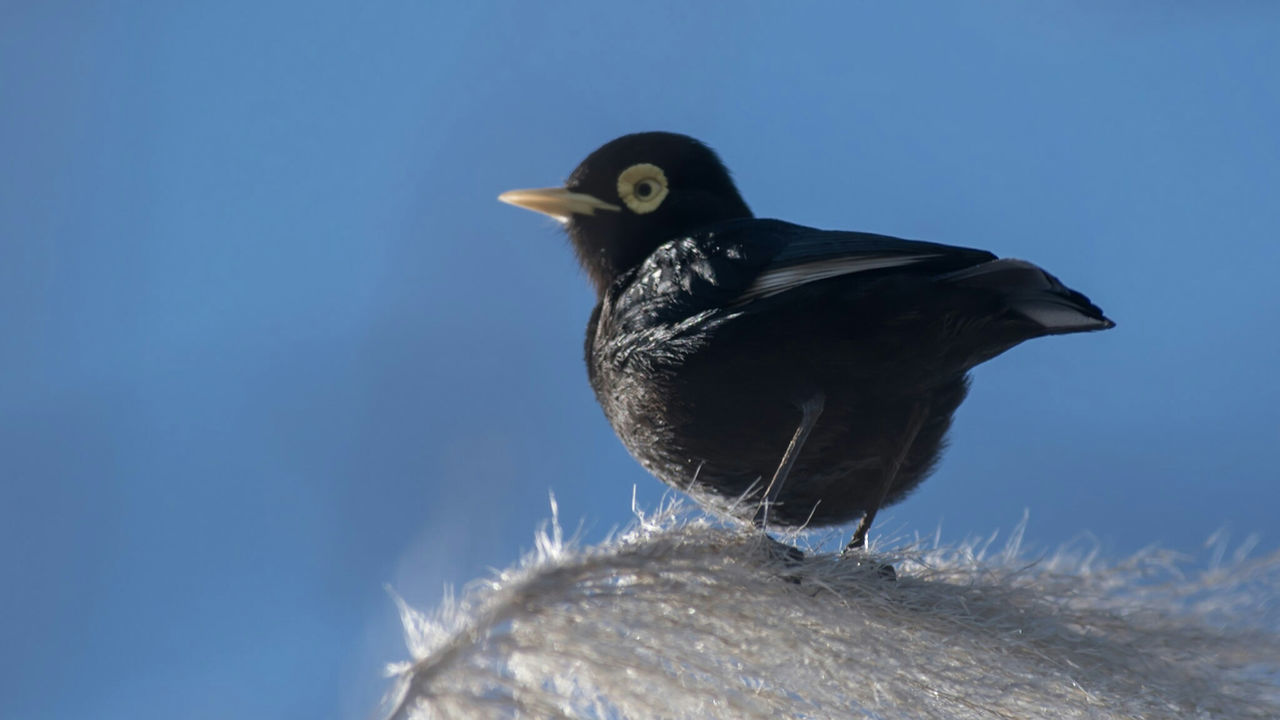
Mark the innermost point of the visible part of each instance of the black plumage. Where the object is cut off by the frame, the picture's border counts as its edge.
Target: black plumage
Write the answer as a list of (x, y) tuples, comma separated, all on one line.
[(811, 373)]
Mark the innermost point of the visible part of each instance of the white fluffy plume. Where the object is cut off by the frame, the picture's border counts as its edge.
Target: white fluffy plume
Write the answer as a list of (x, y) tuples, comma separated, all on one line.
[(681, 617)]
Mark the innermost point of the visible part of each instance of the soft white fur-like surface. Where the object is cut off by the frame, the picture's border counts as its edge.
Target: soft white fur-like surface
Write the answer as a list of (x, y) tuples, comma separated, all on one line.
[(680, 617)]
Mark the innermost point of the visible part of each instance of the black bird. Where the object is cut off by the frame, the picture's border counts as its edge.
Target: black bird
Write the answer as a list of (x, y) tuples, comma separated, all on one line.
[(812, 373)]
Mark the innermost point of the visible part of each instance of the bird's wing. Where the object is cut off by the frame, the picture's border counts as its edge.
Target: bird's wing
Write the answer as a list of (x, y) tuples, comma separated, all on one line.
[(690, 285), (805, 255), (731, 265), (762, 258)]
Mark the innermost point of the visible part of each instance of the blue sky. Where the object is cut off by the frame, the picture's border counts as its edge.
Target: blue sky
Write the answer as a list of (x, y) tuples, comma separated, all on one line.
[(269, 342)]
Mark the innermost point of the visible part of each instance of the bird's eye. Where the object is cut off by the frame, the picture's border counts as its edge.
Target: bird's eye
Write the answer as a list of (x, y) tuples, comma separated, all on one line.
[(642, 187)]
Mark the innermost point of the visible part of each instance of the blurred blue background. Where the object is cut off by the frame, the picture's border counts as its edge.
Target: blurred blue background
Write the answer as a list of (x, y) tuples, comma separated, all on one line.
[(268, 342)]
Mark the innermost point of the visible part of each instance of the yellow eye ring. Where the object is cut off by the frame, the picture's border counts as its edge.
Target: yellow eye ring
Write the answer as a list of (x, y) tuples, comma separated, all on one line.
[(643, 187)]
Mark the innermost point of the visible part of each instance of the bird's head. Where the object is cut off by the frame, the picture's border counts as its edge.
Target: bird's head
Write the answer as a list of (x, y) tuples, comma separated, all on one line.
[(633, 194)]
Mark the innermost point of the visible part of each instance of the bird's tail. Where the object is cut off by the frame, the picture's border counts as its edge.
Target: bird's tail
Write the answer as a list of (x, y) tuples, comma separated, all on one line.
[(1036, 295)]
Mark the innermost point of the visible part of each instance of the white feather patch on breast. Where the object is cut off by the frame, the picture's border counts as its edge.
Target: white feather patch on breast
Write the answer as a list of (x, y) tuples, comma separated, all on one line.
[(783, 279)]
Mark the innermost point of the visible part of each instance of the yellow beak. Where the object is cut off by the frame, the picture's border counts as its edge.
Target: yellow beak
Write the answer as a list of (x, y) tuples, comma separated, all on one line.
[(559, 203)]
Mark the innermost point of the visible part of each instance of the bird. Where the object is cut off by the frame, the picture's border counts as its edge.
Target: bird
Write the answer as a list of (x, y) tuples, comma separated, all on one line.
[(796, 377)]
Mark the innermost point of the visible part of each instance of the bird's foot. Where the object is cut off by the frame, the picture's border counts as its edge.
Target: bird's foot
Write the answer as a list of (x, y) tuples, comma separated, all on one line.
[(857, 554), (788, 556)]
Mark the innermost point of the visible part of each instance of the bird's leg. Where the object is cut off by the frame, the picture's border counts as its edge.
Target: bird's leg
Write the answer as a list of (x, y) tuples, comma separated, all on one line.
[(809, 411), (916, 421)]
